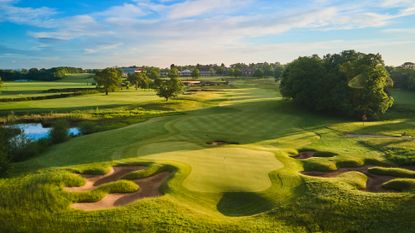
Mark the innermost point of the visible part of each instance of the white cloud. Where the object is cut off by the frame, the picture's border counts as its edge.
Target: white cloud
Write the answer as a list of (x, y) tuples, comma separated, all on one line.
[(102, 48)]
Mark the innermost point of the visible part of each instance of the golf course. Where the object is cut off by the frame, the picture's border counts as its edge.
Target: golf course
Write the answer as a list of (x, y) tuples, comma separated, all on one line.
[(235, 158)]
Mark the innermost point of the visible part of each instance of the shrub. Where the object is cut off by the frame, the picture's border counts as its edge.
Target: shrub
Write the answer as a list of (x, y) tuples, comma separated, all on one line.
[(87, 127), (59, 132)]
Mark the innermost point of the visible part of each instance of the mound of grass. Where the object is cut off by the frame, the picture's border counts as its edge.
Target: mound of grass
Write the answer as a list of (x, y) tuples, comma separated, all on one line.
[(349, 162), (73, 180), (389, 171), (153, 169), (321, 165), (93, 170), (356, 179), (318, 153), (400, 184), (120, 186)]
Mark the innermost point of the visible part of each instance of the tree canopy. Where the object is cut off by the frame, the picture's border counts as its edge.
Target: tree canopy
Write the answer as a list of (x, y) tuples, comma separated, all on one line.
[(139, 80), (168, 88), (404, 76), (109, 79), (352, 83)]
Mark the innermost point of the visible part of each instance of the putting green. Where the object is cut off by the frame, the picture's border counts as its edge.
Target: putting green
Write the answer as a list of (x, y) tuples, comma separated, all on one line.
[(224, 169)]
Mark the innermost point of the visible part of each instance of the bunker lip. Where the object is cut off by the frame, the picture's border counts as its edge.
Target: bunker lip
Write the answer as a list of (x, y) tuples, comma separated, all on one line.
[(373, 184), (114, 174), (305, 155), (149, 187), (221, 142)]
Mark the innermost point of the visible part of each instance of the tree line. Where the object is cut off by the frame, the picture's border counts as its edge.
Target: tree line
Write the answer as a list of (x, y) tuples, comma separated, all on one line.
[(35, 74), (110, 79), (403, 76), (350, 83)]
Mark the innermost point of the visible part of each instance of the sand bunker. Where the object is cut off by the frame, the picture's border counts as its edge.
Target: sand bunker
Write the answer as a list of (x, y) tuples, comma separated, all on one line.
[(309, 154), (305, 155), (149, 187), (373, 184), (220, 143)]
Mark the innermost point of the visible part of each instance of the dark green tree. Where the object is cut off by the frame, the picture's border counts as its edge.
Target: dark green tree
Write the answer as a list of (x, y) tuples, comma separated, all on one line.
[(139, 80), (168, 88), (109, 79), (351, 82), (173, 73)]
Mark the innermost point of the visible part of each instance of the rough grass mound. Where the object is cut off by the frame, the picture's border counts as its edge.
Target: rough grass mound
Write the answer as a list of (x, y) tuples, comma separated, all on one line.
[(395, 172), (400, 184)]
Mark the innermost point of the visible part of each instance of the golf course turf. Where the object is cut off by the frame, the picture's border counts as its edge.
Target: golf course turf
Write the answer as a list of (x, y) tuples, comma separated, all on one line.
[(226, 162)]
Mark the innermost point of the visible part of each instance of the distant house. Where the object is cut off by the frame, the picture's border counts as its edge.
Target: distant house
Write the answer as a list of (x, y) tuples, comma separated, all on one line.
[(131, 70), (185, 73)]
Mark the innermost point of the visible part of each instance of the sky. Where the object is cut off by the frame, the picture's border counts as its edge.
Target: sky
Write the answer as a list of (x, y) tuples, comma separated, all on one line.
[(97, 34)]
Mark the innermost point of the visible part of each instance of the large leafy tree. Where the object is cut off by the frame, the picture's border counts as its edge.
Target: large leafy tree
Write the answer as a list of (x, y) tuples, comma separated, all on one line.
[(168, 88), (351, 82), (139, 80), (109, 79)]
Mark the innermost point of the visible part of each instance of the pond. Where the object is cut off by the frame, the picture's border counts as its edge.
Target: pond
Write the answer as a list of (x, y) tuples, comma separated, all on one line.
[(36, 131)]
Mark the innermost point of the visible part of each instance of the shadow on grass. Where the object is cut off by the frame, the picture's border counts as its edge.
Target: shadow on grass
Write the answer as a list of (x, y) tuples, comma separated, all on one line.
[(243, 204)]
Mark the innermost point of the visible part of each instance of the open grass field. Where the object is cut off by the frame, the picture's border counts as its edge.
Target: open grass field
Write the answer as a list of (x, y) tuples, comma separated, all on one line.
[(31, 89), (230, 152)]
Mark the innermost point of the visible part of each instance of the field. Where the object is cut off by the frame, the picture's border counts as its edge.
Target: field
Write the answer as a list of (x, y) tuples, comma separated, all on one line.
[(230, 152)]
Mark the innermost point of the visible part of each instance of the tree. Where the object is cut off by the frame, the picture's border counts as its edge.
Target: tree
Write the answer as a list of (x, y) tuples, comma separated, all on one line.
[(154, 73), (168, 88), (1, 83), (259, 73), (4, 150), (173, 73), (139, 80), (109, 79), (352, 83), (196, 73)]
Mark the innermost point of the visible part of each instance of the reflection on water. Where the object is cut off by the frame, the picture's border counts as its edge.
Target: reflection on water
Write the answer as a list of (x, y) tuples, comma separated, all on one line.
[(35, 131)]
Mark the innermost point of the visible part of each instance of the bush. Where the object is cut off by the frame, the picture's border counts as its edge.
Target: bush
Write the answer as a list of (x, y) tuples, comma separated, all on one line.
[(87, 127), (59, 132)]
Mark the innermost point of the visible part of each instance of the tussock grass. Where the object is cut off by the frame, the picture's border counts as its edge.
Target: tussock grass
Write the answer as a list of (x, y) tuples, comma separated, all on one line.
[(392, 171), (400, 184)]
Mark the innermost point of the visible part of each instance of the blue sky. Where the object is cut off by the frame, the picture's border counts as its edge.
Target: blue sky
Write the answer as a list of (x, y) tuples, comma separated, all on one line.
[(95, 34)]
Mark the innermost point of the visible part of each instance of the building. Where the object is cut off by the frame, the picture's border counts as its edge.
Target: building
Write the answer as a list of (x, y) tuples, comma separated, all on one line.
[(131, 70), (185, 73)]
